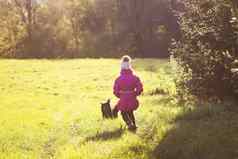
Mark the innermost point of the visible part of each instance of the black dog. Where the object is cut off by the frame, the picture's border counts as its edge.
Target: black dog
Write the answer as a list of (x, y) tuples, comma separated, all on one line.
[(107, 111)]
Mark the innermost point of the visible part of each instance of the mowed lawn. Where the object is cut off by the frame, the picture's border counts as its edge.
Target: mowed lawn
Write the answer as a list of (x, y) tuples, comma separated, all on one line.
[(51, 108)]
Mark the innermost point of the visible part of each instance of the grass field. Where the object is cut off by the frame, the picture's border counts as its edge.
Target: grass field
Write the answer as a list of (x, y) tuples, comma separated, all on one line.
[(51, 109)]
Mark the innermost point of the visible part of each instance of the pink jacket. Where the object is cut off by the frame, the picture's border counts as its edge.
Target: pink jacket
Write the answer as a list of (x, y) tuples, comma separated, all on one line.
[(127, 87)]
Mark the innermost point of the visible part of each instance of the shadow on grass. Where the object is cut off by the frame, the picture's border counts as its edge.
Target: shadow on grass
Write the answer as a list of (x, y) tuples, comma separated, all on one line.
[(106, 135), (208, 132)]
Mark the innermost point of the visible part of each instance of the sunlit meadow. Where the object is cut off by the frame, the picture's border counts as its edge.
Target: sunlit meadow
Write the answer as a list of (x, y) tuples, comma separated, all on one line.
[(51, 109)]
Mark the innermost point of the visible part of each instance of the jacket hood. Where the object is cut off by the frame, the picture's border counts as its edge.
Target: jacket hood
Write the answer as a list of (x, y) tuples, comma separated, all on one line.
[(126, 72)]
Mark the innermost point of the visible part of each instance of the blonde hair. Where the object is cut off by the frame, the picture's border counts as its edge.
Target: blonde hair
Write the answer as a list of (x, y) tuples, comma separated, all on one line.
[(126, 58), (125, 62)]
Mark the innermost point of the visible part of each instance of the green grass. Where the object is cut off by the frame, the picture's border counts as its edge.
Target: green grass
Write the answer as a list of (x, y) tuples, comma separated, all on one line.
[(51, 109)]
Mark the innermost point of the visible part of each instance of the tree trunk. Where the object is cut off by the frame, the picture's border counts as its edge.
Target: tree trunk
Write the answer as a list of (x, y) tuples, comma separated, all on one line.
[(138, 35), (29, 17), (26, 11), (235, 7)]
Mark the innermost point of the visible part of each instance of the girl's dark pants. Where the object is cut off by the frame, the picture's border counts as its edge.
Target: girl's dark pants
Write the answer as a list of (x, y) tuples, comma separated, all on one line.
[(129, 118)]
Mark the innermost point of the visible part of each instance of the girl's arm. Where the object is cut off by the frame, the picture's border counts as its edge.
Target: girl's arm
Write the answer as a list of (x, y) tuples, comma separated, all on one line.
[(139, 86), (116, 89)]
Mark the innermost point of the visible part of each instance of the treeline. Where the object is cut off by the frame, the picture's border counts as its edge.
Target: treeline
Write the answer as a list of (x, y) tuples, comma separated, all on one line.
[(87, 28), (208, 49)]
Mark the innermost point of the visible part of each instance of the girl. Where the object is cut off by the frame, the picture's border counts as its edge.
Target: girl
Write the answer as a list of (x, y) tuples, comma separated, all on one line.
[(127, 87)]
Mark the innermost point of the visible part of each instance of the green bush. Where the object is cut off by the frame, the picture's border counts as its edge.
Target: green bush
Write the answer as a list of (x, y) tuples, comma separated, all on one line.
[(208, 49)]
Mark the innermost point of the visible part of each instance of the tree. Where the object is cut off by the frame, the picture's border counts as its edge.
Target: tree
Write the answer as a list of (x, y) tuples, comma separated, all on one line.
[(208, 48), (27, 10), (12, 30), (86, 28)]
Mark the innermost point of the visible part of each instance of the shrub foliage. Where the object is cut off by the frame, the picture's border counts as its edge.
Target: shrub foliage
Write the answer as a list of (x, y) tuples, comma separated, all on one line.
[(208, 48)]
